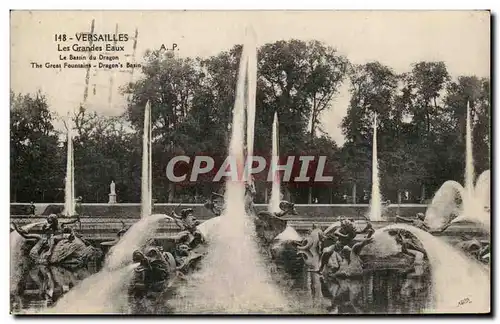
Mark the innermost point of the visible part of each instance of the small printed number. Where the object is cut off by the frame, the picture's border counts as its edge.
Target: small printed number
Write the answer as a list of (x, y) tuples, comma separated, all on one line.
[(60, 37)]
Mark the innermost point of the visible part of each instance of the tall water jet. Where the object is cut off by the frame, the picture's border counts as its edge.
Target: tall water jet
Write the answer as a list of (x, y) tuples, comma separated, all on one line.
[(376, 199), (455, 277), (251, 76), (69, 188), (233, 278), (147, 178), (276, 190), (469, 159)]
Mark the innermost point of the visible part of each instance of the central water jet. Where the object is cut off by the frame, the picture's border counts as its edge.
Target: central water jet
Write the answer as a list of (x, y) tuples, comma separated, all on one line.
[(233, 278)]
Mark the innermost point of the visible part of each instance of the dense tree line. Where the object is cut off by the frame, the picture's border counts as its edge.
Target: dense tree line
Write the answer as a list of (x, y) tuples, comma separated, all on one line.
[(421, 132)]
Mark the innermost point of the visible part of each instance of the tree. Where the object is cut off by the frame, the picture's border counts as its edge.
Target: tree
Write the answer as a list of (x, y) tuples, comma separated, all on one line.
[(426, 81), (419, 107), (35, 156)]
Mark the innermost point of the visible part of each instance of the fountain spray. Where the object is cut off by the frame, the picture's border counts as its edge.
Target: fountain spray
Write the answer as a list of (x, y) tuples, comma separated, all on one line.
[(69, 189), (469, 159), (475, 198), (376, 199), (250, 100), (454, 275), (233, 278), (146, 179), (276, 192)]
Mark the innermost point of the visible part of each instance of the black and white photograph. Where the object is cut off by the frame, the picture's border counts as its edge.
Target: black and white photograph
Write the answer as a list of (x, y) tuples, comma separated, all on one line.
[(250, 162)]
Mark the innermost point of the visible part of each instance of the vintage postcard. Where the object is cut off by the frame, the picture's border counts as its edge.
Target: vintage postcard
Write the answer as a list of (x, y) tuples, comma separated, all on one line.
[(250, 162)]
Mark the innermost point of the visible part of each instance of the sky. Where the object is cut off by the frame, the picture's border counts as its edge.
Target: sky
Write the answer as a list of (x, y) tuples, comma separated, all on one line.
[(395, 38)]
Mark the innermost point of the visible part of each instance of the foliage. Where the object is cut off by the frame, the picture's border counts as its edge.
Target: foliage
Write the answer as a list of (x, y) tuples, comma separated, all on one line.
[(35, 157)]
